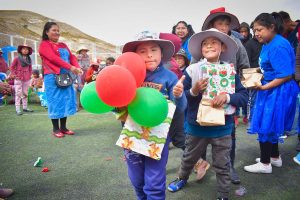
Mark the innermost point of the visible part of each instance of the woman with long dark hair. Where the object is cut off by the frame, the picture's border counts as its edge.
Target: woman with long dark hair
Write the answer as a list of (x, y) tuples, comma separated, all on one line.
[(275, 105), (58, 59)]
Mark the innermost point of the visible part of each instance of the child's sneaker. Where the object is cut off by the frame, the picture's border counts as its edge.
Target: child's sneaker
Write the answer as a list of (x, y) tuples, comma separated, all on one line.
[(274, 162), (27, 110), (222, 198), (201, 167), (297, 159), (259, 168), (176, 185), (19, 112)]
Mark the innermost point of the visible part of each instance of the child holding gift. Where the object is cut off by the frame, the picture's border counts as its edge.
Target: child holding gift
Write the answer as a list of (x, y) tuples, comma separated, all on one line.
[(214, 46), (147, 175)]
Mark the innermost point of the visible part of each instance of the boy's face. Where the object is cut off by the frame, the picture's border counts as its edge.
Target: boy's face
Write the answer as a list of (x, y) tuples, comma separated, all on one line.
[(244, 32), (222, 25), (151, 54), (212, 48), (180, 60)]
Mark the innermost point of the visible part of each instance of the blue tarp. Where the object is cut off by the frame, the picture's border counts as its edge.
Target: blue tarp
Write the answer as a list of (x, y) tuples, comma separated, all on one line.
[(7, 49)]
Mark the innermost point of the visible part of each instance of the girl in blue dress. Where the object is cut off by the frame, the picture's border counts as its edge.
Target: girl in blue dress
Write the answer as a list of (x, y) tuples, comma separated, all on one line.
[(275, 105)]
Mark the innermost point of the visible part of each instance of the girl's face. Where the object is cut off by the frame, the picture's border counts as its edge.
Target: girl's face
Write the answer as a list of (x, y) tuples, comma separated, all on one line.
[(35, 76), (181, 30), (24, 51), (263, 34), (180, 60), (151, 54), (222, 25), (53, 33), (211, 49)]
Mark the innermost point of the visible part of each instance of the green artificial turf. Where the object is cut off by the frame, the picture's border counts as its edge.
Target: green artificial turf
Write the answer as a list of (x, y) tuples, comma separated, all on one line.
[(89, 165)]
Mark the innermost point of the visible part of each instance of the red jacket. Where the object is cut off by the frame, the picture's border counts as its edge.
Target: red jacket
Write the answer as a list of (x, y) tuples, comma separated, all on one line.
[(51, 58)]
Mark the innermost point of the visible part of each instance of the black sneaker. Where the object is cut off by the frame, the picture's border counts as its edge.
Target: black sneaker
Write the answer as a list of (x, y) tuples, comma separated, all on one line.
[(27, 110), (235, 179)]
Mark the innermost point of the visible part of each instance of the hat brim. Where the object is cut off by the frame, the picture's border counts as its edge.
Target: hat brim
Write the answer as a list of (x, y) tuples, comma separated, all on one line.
[(196, 40), (78, 51), (29, 48), (234, 24), (167, 47)]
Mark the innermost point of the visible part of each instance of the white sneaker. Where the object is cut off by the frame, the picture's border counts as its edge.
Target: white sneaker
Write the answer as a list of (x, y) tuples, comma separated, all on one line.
[(259, 168), (274, 162)]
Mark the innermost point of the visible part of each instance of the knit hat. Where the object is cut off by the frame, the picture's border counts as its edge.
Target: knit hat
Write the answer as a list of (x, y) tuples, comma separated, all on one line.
[(197, 39), (167, 46), (219, 12)]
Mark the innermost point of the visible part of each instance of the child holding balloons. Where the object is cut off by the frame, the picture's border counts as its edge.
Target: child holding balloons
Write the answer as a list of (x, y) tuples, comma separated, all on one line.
[(147, 175)]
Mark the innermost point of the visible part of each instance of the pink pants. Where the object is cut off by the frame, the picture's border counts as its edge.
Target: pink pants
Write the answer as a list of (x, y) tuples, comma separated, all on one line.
[(21, 91)]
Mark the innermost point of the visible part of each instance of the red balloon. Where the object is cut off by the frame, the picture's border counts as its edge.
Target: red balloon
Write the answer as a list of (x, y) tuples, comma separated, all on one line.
[(115, 86), (135, 64)]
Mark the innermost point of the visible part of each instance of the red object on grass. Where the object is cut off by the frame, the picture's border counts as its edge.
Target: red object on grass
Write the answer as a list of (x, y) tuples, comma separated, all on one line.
[(45, 169)]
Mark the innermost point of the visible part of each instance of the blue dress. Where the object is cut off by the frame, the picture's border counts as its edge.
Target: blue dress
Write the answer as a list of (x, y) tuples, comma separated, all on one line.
[(274, 109), (61, 101)]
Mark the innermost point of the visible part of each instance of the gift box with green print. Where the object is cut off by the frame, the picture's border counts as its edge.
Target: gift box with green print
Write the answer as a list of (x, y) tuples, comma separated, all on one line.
[(221, 80)]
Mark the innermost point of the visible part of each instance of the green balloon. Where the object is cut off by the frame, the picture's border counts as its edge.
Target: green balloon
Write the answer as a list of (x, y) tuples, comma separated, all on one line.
[(149, 107), (90, 100)]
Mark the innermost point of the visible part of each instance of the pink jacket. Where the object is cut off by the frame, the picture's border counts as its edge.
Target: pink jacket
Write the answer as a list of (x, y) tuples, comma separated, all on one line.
[(20, 73)]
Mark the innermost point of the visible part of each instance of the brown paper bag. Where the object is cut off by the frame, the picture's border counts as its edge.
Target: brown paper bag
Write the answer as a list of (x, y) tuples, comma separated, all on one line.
[(251, 77), (210, 116)]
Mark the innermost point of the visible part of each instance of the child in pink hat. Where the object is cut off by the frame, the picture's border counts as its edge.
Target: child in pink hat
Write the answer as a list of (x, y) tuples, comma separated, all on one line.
[(21, 70)]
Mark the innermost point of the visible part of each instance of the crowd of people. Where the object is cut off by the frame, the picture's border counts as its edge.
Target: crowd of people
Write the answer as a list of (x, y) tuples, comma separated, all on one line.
[(180, 64)]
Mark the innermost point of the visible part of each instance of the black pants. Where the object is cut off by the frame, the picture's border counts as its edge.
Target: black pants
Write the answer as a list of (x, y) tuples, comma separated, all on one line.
[(268, 150), (176, 132)]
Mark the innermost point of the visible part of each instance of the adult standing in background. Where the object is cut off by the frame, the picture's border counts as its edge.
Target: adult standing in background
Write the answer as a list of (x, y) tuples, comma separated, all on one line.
[(3, 64), (58, 59), (83, 61), (184, 31)]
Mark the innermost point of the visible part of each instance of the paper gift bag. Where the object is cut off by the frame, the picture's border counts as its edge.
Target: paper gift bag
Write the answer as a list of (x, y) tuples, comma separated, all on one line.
[(210, 116), (251, 77), (148, 141)]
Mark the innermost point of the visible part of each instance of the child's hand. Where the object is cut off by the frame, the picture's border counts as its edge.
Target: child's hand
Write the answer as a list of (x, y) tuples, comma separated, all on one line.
[(178, 88), (200, 86), (219, 100)]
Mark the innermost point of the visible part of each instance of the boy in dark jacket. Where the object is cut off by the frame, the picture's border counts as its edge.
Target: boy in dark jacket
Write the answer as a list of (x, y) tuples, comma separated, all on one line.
[(214, 46)]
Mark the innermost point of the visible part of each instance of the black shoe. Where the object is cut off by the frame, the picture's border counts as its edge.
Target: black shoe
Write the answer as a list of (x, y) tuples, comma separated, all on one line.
[(235, 179), (27, 110)]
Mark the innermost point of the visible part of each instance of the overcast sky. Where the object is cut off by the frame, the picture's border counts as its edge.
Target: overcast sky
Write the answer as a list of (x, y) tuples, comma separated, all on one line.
[(118, 21)]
